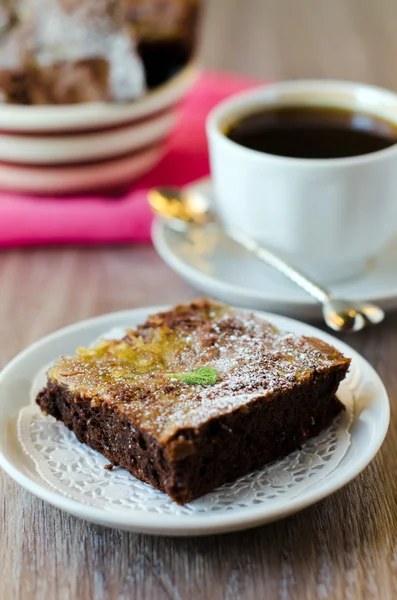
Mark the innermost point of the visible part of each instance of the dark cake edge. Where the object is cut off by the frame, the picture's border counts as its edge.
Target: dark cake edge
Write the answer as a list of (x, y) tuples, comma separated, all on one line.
[(196, 461)]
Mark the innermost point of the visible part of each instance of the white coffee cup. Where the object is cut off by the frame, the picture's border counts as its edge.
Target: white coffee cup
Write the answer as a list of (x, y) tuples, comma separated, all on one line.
[(328, 216)]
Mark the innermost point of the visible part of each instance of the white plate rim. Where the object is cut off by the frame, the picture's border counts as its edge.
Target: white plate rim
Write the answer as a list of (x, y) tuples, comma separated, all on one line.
[(208, 282), (56, 150), (14, 117), (214, 523), (58, 179)]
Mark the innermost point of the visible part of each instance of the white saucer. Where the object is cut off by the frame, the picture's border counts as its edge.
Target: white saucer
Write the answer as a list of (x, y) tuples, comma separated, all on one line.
[(221, 268), (362, 388)]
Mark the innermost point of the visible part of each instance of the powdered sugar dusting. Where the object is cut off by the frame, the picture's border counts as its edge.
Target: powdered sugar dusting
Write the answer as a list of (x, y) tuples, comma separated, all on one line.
[(251, 357)]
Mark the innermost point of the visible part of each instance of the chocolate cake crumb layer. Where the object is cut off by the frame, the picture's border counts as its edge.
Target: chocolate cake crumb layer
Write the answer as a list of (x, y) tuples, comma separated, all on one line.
[(273, 390)]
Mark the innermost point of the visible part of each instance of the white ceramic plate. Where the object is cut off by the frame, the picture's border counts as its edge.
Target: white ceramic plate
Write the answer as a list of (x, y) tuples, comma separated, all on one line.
[(86, 147), (221, 268), (368, 429), (78, 178), (70, 149)]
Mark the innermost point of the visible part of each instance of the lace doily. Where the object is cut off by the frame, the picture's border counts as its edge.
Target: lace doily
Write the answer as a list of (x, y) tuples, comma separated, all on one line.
[(77, 471)]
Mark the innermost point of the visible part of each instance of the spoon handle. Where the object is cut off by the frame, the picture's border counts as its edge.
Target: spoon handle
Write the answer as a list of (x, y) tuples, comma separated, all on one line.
[(318, 292)]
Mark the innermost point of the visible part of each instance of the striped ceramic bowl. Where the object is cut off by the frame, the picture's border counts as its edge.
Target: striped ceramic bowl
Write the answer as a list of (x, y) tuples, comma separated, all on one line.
[(65, 149)]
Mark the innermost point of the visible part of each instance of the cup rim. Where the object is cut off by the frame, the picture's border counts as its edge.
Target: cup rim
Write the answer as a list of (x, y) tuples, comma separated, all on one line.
[(240, 103)]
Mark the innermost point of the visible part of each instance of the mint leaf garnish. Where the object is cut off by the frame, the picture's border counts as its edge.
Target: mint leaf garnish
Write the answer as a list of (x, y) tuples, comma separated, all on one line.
[(202, 376)]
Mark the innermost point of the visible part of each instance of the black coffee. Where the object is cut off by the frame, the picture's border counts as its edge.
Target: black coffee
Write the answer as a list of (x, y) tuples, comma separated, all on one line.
[(312, 132)]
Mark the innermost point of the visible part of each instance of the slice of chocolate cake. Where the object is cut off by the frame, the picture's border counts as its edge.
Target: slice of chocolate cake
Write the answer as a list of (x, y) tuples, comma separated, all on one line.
[(197, 396), (69, 51)]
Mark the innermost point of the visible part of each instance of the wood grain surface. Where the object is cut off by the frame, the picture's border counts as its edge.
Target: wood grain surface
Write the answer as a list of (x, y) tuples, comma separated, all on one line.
[(344, 547)]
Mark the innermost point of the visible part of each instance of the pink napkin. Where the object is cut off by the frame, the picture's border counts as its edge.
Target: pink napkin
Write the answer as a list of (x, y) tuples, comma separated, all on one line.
[(127, 218)]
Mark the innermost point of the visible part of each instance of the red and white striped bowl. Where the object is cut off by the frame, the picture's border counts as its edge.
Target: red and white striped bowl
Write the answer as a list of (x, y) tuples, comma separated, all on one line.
[(65, 149)]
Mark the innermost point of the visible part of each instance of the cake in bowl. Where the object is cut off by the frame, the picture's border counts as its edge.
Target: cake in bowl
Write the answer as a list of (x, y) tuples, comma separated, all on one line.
[(104, 78), (197, 396), (59, 52)]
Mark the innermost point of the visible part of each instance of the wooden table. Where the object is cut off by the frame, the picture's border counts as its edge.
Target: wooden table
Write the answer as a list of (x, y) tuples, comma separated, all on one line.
[(346, 546)]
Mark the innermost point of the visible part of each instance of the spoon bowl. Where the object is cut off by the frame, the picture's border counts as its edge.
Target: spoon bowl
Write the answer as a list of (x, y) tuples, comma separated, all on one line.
[(172, 205), (342, 315)]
